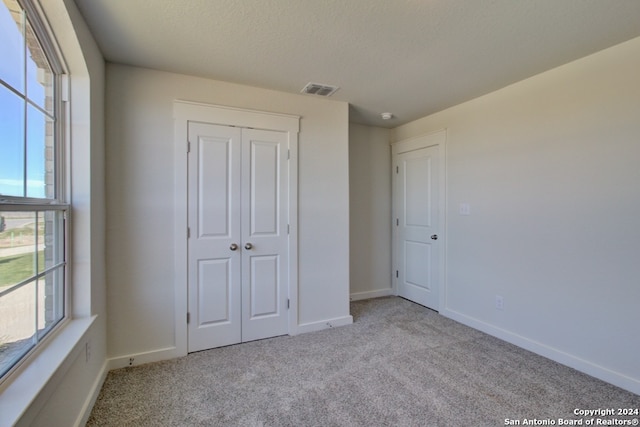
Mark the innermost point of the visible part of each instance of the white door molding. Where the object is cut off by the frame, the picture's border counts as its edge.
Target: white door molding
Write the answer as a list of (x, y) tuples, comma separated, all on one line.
[(438, 139), (185, 112)]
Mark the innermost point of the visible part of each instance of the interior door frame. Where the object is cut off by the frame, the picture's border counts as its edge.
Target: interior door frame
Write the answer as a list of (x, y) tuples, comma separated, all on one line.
[(188, 111), (437, 138)]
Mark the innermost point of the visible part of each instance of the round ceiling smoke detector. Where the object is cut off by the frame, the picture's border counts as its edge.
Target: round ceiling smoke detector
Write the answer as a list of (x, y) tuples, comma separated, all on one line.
[(386, 116)]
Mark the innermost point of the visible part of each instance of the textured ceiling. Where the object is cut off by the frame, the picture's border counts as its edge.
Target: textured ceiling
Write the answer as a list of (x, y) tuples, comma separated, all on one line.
[(409, 57)]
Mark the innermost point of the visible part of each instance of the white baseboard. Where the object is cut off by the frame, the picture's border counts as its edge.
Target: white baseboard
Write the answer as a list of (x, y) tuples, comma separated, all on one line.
[(145, 357), (323, 324), (356, 296), (589, 368), (84, 414), (173, 352)]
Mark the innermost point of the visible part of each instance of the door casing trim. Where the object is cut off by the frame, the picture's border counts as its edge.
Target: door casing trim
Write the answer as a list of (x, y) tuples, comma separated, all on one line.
[(188, 111)]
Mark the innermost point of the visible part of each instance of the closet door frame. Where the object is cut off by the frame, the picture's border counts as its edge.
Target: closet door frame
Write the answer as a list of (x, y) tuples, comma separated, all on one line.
[(183, 113)]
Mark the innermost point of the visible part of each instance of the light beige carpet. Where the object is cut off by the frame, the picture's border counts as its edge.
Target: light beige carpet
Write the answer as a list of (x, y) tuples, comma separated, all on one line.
[(399, 364)]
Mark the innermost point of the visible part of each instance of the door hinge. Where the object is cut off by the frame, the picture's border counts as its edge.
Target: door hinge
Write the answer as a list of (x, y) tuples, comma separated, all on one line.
[(188, 318), (288, 304), (288, 154), (397, 169), (397, 221), (188, 147), (188, 233), (288, 229), (396, 273)]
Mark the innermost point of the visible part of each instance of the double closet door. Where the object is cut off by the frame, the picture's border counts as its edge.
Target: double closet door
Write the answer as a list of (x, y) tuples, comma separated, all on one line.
[(238, 245)]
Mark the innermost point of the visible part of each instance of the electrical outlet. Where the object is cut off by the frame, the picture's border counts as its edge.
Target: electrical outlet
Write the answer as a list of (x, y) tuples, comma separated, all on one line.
[(499, 303)]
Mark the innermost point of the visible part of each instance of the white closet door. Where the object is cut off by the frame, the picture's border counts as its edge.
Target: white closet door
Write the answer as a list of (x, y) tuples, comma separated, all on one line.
[(238, 244), (214, 226), (264, 234)]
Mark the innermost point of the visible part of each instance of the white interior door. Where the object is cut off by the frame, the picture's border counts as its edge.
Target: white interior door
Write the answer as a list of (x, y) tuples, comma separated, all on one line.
[(238, 242), (418, 225)]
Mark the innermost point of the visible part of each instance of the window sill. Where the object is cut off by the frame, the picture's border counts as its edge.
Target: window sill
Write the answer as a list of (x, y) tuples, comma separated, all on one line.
[(50, 362)]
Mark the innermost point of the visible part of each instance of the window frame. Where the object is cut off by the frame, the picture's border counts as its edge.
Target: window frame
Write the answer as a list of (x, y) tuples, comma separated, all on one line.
[(61, 179)]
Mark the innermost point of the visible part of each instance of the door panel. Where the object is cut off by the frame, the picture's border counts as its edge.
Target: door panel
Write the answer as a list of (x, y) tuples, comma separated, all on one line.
[(214, 186), (214, 204), (214, 291), (417, 171), (417, 209), (264, 207), (264, 286), (264, 169), (416, 265)]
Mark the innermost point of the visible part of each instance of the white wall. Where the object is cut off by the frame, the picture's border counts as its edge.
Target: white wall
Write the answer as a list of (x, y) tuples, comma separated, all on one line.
[(140, 186), (370, 219), (550, 168), (67, 397)]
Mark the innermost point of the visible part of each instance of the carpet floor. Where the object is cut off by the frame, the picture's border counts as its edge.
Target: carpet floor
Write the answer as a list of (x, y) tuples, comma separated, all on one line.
[(399, 364)]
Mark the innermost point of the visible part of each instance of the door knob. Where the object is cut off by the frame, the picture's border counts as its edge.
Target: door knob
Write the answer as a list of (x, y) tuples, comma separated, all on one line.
[(248, 246), (233, 247), (434, 237)]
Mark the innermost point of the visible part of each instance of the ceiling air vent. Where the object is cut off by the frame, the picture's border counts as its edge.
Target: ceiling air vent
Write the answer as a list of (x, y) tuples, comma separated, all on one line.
[(318, 89)]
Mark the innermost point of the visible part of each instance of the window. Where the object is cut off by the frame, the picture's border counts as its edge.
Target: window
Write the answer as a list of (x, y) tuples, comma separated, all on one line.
[(32, 209)]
